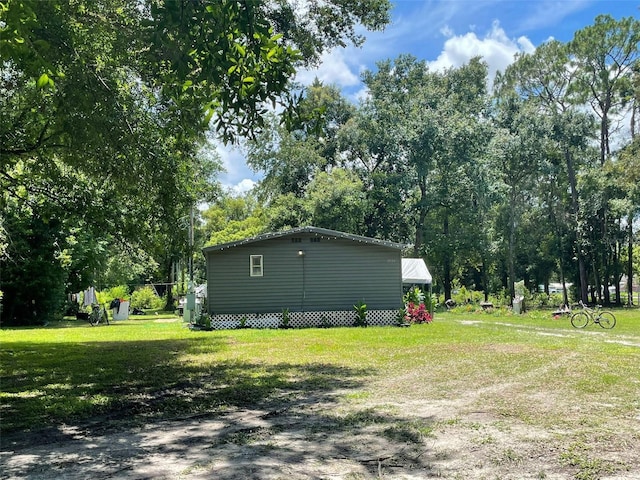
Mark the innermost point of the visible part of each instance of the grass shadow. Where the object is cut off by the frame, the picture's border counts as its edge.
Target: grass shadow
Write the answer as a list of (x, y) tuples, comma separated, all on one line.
[(93, 396), (132, 381)]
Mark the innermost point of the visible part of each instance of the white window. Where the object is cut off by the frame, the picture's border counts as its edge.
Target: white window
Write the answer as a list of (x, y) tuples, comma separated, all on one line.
[(255, 269)]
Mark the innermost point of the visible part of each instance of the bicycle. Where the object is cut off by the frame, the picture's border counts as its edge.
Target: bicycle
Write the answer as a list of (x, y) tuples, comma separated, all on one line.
[(98, 314), (587, 315)]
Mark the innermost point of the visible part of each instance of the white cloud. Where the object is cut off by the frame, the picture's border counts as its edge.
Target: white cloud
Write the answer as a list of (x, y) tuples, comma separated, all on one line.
[(495, 48), (526, 45), (333, 70), (231, 157), (446, 31), (237, 177), (243, 186)]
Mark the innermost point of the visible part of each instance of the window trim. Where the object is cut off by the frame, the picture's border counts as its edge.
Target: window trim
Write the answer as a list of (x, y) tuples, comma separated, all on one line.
[(259, 266)]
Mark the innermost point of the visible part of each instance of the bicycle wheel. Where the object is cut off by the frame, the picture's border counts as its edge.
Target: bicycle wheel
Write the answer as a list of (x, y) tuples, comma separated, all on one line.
[(607, 320), (580, 319), (94, 318)]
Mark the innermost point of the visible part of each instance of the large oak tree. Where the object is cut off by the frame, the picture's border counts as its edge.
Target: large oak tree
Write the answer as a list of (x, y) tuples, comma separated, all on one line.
[(105, 104)]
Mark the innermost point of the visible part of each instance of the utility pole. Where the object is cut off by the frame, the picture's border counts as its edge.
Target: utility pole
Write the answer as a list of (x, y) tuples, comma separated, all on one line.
[(190, 307), (191, 246)]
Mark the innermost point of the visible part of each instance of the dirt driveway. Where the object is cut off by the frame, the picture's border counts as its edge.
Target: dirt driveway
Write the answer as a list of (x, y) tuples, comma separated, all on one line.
[(384, 431)]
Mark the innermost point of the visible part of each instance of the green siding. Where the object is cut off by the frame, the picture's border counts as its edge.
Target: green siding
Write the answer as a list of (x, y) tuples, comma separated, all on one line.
[(334, 274)]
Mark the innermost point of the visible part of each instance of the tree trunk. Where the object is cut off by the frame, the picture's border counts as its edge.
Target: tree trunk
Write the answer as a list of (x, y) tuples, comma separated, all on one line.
[(168, 306), (606, 296), (447, 278), (565, 296), (617, 274), (630, 262), (422, 215), (485, 280), (604, 142), (604, 153), (575, 210), (419, 239), (512, 245), (597, 286), (582, 271), (446, 262), (606, 260)]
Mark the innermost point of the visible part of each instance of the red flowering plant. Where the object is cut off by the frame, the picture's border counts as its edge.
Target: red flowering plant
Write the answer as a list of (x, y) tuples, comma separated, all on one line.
[(415, 310), (417, 313)]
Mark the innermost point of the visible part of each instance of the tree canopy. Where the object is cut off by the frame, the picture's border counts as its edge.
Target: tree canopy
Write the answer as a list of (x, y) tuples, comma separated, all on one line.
[(108, 107), (490, 187), (105, 108)]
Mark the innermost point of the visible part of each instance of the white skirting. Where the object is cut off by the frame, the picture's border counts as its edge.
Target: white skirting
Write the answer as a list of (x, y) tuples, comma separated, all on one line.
[(336, 318)]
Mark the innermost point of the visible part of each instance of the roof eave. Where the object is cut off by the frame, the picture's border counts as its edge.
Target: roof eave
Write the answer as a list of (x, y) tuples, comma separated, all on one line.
[(308, 229)]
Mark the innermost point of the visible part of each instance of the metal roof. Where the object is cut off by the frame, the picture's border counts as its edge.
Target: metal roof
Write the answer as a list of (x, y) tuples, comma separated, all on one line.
[(319, 232), (414, 270)]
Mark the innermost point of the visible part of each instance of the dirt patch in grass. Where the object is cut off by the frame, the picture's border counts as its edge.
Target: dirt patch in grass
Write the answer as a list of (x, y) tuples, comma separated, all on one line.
[(394, 425), (356, 436)]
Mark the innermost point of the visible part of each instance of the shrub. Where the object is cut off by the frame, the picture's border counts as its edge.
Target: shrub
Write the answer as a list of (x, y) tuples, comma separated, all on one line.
[(464, 296), (285, 318), (361, 314), (204, 321), (417, 313), (429, 302), (71, 308), (542, 300), (121, 291), (501, 298), (416, 307), (106, 296), (557, 299), (460, 296), (414, 295), (147, 298)]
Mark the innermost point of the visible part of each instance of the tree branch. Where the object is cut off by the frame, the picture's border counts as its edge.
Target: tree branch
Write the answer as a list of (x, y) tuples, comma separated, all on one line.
[(39, 143)]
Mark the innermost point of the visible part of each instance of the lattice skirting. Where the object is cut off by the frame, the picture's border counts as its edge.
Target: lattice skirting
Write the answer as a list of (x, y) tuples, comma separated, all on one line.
[(341, 318)]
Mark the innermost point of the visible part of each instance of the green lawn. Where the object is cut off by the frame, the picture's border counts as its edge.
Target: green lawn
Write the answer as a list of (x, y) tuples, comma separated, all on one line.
[(148, 368)]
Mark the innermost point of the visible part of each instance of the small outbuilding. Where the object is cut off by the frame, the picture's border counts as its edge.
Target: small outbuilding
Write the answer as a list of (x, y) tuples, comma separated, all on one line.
[(306, 276), (415, 273)]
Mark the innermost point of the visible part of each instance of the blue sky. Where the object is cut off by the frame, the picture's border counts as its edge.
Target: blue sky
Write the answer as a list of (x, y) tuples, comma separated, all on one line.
[(447, 33)]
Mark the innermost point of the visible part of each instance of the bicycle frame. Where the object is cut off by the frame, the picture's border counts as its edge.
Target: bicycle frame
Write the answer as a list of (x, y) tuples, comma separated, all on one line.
[(587, 315), (98, 313)]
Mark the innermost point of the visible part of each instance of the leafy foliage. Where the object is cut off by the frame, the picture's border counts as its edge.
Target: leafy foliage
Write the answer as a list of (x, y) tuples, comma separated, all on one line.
[(417, 313), (336, 201), (105, 104), (234, 218), (489, 189), (361, 314), (416, 307), (146, 298)]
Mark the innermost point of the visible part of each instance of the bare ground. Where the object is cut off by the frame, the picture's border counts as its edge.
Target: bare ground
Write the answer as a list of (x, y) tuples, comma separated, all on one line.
[(387, 431)]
